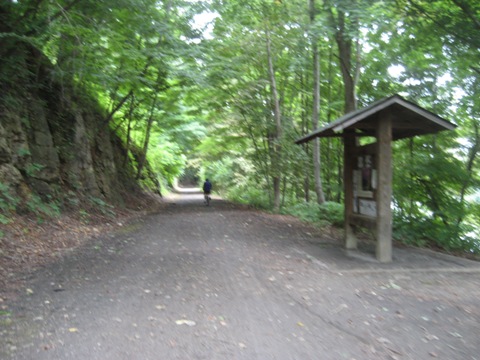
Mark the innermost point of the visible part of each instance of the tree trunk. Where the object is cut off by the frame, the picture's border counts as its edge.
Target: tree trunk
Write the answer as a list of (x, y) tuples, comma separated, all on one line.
[(306, 187), (129, 130), (305, 130), (118, 106), (316, 111), (470, 168), (277, 134), (143, 156), (349, 73)]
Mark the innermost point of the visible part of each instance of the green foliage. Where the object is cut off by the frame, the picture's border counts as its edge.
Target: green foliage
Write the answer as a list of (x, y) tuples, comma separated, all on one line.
[(84, 216), (333, 213), (102, 206), (230, 177), (11, 101), (8, 203), (43, 210), (427, 192), (166, 158), (329, 213), (231, 173), (4, 219), (256, 198), (33, 169), (72, 200), (23, 152), (308, 212), (34, 204), (420, 231)]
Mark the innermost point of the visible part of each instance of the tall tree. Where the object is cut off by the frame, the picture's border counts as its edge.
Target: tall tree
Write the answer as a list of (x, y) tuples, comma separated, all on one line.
[(316, 106), (346, 33), (277, 133)]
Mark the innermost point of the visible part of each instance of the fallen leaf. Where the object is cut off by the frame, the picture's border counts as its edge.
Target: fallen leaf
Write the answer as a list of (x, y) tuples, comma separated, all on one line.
[(456, 334), (394, 286), (383, 340), (185, 322), (73, 330), (340, 308)]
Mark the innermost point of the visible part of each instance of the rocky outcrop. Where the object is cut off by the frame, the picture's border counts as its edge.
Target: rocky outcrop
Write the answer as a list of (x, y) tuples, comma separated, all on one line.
[(54, 142)]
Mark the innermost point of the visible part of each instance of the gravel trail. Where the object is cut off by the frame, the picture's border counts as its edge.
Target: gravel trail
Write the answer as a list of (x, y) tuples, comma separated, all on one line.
[(226, 282)]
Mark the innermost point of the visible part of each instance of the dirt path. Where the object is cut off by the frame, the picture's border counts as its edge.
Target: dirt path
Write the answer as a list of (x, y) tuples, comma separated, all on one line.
[(223, 282)]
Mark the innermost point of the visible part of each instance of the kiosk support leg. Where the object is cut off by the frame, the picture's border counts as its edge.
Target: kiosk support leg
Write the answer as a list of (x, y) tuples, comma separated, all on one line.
[(349, 149), (384, 190)]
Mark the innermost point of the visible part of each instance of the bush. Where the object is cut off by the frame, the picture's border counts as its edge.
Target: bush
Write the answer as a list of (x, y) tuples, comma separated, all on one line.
[(8, 203), (252, 196), (42, 209), (332, 212), (105, 208), (309, 212), (424, 232), (329, 213)]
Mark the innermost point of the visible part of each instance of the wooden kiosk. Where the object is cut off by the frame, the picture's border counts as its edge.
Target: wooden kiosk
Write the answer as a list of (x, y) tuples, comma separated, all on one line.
[(368, 169)]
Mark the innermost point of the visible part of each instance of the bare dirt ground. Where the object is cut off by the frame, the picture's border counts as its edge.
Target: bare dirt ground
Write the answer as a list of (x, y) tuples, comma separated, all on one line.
[(226, 282)]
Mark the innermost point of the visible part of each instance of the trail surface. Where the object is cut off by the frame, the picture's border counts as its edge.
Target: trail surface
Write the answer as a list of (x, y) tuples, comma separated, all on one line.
[(224, 282)]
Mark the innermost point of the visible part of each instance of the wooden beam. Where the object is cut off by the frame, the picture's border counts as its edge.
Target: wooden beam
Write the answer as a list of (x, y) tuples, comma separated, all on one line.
[(363, 221), (384, 189), (348, 163)]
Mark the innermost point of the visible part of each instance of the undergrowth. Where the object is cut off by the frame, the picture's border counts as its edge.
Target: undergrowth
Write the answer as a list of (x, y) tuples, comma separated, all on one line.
[(253, 197), (8, 204), (429, 233), (44, 209), (329, 213)]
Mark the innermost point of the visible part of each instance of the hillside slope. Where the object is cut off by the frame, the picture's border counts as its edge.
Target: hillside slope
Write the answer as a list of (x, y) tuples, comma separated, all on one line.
[(54, 142), (64, 177)]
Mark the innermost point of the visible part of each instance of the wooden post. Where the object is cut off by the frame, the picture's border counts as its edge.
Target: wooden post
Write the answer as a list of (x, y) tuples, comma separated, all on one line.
[(348, 161), (384, 189)]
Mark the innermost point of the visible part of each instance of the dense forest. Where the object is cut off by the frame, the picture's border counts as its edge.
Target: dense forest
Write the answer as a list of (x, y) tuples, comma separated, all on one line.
[(102, 96)]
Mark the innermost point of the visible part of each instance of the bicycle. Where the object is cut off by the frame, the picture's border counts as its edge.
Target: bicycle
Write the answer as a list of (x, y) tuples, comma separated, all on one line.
[(207, 199)]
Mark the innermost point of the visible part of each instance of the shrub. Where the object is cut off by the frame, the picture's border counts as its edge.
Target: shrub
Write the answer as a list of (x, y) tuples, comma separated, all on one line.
[(332, 212), (423, 232), (329, 213), (309, 212), (105, 208), (43, 209), (8, 203), (254, 197)]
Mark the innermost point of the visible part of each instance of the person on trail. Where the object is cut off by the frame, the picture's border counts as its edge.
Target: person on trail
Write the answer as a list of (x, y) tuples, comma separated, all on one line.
[(207, 189)]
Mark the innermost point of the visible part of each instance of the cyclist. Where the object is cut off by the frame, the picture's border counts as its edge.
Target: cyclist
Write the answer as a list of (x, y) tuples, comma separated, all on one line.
[(207, 189)]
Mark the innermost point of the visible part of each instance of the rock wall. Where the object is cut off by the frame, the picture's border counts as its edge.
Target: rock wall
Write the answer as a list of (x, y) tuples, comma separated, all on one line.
[(53, 141)]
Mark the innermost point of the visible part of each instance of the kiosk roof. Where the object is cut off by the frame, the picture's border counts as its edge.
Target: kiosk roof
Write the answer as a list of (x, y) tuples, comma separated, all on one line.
[(408, 118)]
